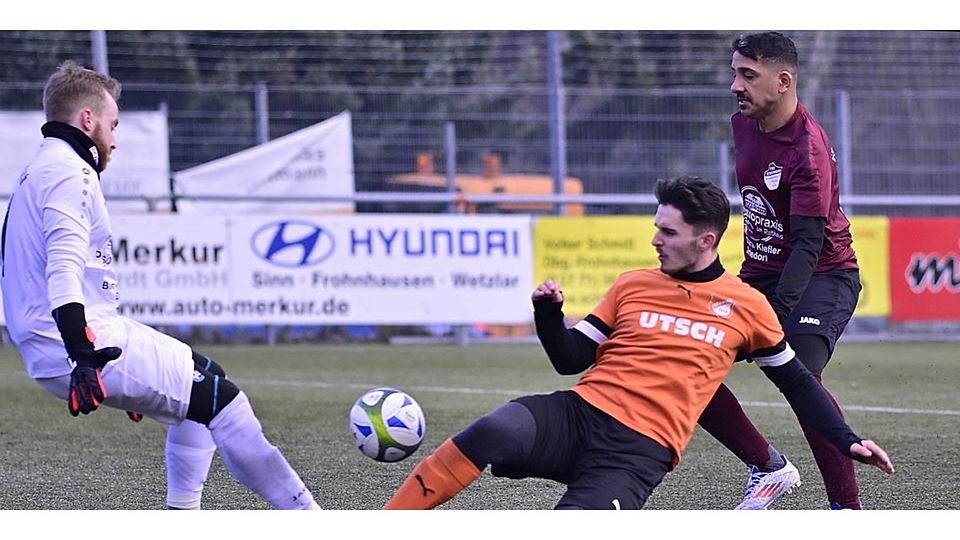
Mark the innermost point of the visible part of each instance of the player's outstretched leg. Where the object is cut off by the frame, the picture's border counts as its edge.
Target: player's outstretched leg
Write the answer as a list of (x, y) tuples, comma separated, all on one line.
[(246, 452), (838, 472), (435, 480), (505, 435), (769, 474)]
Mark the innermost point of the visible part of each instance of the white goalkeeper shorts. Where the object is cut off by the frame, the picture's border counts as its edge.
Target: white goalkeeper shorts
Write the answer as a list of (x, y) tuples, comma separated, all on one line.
[(153, 375)]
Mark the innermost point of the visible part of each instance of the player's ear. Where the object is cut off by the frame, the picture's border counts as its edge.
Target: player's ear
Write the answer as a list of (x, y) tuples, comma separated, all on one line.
[(708, 240), (86, 118), (785, 78)]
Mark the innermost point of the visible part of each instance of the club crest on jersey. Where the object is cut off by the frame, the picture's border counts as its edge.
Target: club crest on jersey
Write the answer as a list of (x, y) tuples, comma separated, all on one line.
[(771, 176), (198, 377), (721, 307)]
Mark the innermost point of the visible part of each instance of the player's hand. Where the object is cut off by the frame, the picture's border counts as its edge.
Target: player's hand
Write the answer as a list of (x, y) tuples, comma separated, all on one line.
[(548, 290), (87, 391), (870, 453)]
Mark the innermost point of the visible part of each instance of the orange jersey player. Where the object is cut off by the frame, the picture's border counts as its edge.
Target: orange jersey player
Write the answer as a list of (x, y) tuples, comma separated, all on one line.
[(666, 342), (654, 350)]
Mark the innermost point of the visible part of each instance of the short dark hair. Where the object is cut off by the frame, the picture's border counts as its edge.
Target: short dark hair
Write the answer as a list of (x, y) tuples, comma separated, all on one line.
[(701, 203), (767, 47)]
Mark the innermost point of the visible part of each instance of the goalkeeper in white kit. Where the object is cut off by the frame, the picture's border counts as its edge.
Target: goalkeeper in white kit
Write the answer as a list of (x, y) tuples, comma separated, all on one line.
[(60, 301)]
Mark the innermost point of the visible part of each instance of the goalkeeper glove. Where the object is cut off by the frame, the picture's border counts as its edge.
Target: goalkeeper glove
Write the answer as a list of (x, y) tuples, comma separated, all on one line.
[(86, 386)]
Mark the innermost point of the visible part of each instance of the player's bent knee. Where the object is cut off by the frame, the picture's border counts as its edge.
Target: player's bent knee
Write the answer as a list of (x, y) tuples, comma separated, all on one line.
[(503, 436), (209, 395), (205, 363), (497, 427)]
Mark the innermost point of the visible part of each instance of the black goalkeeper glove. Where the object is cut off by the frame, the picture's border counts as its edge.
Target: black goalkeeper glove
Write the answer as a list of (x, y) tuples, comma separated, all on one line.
[(86, 387)]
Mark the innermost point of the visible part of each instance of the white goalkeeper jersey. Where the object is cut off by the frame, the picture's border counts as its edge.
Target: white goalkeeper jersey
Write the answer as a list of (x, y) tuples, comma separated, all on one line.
[(57, 249)]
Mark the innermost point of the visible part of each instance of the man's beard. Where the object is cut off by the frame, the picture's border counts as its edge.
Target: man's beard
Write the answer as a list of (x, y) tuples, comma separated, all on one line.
[(104, 154)]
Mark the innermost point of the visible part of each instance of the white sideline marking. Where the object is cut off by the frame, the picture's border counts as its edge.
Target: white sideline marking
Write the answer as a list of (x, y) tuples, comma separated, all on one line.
[(893, 410), (361, 386), (517, 393)]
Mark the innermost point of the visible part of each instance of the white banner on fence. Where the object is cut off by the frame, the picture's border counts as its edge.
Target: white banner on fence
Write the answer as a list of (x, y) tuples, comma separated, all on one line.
[(314, 161), (308, 269), (140, 166)]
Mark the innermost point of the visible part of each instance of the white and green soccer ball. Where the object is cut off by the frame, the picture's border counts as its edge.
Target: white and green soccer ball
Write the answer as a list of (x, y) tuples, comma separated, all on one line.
[(387, 424)]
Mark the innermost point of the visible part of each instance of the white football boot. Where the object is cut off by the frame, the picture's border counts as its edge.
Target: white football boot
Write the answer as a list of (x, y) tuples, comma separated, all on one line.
[(765, 487)]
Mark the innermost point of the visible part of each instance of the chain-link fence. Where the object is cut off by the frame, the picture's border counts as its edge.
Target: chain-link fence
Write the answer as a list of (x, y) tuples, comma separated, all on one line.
[(638, 105)]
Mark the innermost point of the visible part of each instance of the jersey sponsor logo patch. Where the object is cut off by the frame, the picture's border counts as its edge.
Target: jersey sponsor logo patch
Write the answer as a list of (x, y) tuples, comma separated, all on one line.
[(771, 176), (760, 221), (721, 307), (682, 326), (810, 320)]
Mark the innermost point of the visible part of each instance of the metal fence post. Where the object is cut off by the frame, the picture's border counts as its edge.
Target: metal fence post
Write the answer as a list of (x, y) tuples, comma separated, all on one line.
[(164, 109), (558, 136), (843, 156), (723, 160), (461, 332), (98, 50), (450, 161), (262, 110)]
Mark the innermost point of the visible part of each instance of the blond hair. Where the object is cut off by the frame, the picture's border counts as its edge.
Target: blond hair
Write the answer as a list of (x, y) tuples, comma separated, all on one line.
[(73, 87)]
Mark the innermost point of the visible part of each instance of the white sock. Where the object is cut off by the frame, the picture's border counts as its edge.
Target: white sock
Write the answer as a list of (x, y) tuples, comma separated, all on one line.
[(253, 461), (189, 452)]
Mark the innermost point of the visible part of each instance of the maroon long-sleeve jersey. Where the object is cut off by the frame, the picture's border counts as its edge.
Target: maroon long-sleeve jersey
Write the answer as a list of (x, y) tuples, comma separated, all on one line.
[(790, 171)]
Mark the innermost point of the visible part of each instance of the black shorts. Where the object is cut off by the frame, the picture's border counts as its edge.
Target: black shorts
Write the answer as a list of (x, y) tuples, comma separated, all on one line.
[(604, 464), (825, 307)]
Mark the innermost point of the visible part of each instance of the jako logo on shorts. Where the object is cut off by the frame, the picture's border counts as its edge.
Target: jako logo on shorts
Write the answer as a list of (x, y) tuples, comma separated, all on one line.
[(683, 327), (293, 243)]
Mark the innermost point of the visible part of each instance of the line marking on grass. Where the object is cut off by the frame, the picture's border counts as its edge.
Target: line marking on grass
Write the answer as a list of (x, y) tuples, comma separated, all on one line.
[(865, 408), (361, 386), (517, 393)]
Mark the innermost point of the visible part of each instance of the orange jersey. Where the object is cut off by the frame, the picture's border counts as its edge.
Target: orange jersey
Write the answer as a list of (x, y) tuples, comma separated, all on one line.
[(668, 346)]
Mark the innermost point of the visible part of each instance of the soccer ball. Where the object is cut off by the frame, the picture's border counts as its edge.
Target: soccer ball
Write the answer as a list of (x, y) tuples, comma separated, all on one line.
[(387, 424)]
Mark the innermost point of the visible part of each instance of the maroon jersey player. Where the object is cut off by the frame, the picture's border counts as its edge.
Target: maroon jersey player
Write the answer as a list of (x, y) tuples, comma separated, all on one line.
[(797, 251)]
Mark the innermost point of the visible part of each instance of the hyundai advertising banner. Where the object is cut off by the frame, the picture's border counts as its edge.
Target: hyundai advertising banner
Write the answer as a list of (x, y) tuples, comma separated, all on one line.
[(381, 269)]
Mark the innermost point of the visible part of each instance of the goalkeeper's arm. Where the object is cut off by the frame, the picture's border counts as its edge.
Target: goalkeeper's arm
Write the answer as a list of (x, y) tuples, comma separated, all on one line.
[(87, 390)]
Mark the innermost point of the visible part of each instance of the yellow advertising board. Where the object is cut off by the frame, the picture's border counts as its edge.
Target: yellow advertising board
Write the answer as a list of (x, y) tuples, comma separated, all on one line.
[(871, 241), (586, 254)]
